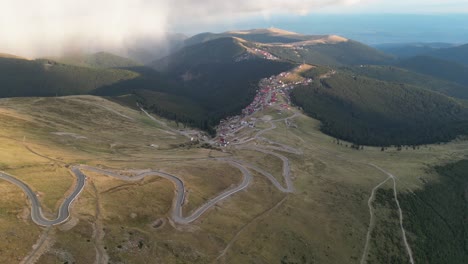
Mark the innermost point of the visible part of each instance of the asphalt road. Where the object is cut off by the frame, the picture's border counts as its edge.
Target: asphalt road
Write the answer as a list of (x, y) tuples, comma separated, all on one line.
[(36, 210), (179, 198), (178, 201)]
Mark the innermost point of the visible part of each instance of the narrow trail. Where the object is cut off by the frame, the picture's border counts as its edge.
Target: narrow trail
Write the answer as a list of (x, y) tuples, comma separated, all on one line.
[(117, 112), (395, 193), (236, 236), (371, 221), (98, 231), (400, 212), (39, 248)]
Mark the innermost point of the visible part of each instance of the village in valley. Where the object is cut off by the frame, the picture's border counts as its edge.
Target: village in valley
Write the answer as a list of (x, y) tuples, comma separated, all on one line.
[(272, 91)]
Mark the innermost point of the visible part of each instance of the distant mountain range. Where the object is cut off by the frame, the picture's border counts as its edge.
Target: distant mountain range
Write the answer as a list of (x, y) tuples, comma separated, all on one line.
[(437, 68), (444, 51), (458, 54), (298, 48), (405, 50), (202, 79)]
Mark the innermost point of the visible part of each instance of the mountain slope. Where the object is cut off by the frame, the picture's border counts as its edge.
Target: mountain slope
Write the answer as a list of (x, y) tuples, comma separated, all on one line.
[(406, 50), (347, 52), (221, 76), (215, 51), (10, 56), (271, 35), (47, 78), (442, 69), (312, 49), (371, 112), (458, 54), (400, 75), (146, 49), (97, 60)]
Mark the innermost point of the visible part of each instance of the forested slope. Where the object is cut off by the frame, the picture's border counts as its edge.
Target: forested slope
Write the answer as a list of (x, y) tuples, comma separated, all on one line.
[(19, 77), (436, 216), (400, 75), (371, 112)]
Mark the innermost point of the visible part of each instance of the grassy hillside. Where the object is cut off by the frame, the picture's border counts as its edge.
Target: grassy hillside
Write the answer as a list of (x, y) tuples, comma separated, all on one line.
[(442, 69), (46, 78), (371, 112), (399, 75), (457, 54), (325, 220), (97, 60)]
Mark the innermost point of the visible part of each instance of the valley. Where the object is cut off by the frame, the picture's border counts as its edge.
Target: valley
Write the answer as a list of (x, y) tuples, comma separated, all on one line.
[(248, 146), (270, 175)]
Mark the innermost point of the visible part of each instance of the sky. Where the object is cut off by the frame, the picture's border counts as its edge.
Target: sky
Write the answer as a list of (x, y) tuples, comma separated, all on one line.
[(50, 27)]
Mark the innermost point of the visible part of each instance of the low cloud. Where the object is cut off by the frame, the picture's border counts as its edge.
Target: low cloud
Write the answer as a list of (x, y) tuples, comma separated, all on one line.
[(49, 27)]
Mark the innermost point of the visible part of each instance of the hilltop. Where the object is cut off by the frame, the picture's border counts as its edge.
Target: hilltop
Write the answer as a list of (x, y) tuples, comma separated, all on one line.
[(299, 48), (222, 50), (97, 60), (271, 35)]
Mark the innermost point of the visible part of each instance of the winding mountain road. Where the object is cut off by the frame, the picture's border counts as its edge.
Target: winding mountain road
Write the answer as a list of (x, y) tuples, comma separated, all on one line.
[(36, 209), (179, 198), (178, 201)]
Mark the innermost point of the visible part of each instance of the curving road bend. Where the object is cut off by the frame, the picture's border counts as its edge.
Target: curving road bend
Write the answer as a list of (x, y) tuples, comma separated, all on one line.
[(64, 210), (36, 209), (286, 170), (180, 189)]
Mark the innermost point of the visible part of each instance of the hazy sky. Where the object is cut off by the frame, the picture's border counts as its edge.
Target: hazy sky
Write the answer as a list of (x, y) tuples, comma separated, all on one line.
[(32, 27)]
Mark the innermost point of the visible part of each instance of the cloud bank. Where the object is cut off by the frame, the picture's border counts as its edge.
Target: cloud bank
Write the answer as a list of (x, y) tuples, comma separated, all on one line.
[(49, 27)]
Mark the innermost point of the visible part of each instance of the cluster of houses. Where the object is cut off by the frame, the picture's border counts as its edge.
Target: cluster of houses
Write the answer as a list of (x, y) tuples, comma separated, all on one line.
[(265, 54), (254, 54), (267, 94), (230, 126), (262, 98)]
